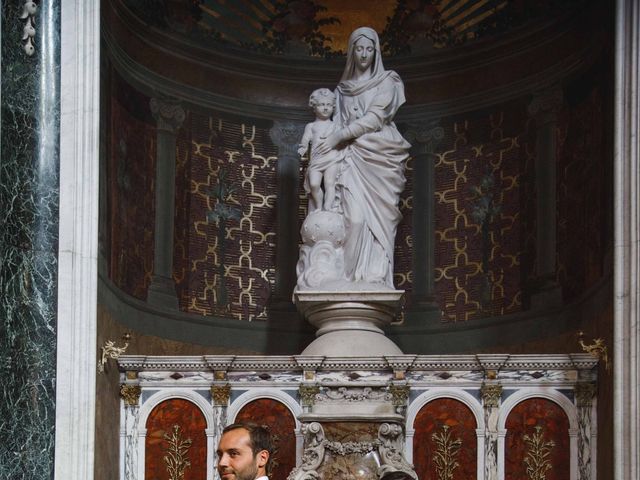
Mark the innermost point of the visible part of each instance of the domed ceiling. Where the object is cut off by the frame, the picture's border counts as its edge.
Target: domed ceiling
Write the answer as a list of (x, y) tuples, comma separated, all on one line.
[(320, 28)]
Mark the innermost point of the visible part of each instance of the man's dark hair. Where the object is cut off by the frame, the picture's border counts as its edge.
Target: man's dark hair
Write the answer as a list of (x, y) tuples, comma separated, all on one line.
[(259, 438)]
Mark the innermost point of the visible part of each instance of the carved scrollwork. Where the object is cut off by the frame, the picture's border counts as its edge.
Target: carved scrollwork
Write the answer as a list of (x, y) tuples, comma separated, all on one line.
[(29, 9), (354, 394), (390, 450), (313, 454)]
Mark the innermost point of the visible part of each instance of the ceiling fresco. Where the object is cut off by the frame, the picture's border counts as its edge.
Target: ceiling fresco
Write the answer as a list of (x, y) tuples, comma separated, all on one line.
[(320, 28)]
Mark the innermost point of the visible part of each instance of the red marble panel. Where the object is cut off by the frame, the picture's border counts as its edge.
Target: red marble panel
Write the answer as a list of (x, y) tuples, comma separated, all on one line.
[(461, 425), (282, 424), (554, 427), (192, 425)]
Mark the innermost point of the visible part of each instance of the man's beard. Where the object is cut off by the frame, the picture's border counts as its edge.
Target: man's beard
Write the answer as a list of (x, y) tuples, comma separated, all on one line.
[(248, 473)]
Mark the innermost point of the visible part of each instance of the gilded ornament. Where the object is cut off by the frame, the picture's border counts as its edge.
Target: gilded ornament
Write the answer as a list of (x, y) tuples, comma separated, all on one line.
[(110, 350), (308, 394), (446, 453), (598, 349), (537, 459), (491, 394), (176, 458), (220, 375), (221, 394), (130, 394), (400, 394)]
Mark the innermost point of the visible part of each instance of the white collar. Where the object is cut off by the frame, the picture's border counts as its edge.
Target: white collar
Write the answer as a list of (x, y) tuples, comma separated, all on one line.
[(264, 477)]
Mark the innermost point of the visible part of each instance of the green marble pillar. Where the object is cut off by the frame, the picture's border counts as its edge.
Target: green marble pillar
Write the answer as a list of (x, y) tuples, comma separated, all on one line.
[(29, 193)]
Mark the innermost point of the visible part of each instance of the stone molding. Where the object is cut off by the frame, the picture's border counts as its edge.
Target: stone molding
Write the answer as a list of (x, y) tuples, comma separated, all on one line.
[(626, 330), (78, 243)]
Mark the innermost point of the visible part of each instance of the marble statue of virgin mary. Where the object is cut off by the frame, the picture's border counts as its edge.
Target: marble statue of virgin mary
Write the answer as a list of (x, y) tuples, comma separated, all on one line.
[(372, 175)]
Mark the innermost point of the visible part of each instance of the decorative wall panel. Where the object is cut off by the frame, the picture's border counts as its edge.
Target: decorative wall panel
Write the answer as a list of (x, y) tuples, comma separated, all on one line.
[(445, 443), (176, 442), (131, 159), (282, 425), (482, 210), (583, 163), (537, 442), (224, 230)]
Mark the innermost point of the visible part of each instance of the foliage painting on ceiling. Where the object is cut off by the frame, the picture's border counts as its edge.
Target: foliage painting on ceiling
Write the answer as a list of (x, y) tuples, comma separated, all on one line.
[(320, 28)]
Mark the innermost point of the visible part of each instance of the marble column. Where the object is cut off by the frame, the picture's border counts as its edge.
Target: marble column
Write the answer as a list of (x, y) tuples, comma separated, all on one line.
[(544, 109), (424, 138), (169, 117), (584, 394), (286, 136), (220, 394), (626, 331), (491, 394), (29, 205), (129, 438)]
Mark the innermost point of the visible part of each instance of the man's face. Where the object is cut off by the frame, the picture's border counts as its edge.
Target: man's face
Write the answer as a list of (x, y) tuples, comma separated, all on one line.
[(235, 457)]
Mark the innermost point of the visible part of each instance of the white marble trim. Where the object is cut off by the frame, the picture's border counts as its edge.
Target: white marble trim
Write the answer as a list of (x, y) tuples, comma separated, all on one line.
[(78, 243), (626, 333), (251, 395)]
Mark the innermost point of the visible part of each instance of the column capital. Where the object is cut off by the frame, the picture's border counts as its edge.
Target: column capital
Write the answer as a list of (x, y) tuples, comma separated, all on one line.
[(491, 394), (286, 136), (585, 391), (221, 394), (545, 104), (168, 113), (424, 136), (130, 394)]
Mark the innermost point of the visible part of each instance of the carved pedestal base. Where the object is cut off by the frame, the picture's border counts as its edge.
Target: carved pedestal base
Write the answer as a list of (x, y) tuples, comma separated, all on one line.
[(350, 323)]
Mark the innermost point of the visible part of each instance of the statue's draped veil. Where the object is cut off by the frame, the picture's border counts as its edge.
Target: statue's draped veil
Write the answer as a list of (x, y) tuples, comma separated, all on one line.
[(376, 66)]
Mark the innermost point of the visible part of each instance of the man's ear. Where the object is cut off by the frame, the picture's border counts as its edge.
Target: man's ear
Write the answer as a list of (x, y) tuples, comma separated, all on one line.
[(263, 457)]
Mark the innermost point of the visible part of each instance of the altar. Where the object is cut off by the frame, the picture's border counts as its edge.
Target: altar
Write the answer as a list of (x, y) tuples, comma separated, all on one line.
[(465, 416)]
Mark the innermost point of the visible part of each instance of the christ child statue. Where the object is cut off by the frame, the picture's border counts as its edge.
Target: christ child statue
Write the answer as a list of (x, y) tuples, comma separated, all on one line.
[(323, 168)]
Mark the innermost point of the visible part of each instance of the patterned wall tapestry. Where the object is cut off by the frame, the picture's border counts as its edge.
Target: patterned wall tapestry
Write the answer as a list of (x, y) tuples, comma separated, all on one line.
[(485, 208), (282, 425), (445, 443), (537, 442), (483, 222), (176, 444), (583, 170), (225, 216), (131, 159)]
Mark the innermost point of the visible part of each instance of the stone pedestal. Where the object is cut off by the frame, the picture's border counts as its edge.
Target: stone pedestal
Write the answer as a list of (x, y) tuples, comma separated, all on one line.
[(350, 323)]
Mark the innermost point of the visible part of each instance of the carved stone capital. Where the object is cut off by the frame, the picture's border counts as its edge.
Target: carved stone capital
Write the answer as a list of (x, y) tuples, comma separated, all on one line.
[(286, 136), (168, 114), (400, 395), (585, 391), (130, 394), (308, 394), (221, 394), (545, 105), (491, 395), (424, 137)]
